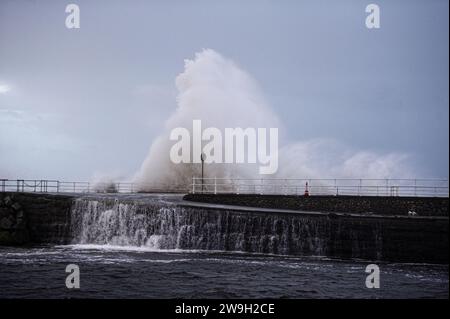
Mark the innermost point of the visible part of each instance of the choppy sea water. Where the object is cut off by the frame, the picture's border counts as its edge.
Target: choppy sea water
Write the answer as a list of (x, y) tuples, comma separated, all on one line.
[(126, 272)]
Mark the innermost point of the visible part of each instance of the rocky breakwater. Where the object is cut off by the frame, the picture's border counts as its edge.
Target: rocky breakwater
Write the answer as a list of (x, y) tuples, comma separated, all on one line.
[(13, 226), (34, 218)]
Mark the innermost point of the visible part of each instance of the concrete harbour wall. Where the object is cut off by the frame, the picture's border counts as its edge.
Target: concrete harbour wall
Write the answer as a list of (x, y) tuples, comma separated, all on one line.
[(29, 219)]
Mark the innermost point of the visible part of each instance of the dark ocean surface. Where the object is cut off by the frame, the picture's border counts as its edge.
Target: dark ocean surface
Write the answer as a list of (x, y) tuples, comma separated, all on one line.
[(130, 272)]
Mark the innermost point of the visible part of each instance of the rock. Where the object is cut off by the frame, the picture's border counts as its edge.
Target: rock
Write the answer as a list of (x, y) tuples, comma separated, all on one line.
[(5, 223), (5, 238), (20, 237), (4, 211), (7, 200)]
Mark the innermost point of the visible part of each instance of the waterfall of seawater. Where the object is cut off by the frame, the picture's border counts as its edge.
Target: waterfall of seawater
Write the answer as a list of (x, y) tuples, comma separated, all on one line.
[(158, 225)]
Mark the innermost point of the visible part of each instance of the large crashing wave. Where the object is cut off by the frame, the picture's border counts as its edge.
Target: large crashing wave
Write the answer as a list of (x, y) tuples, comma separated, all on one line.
[(216, 91)]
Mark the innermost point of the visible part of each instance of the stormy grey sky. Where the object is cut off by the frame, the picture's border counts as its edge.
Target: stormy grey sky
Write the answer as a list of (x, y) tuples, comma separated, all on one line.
[(85, 102)]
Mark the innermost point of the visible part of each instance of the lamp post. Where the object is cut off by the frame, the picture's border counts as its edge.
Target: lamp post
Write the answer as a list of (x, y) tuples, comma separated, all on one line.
[(202, 158)]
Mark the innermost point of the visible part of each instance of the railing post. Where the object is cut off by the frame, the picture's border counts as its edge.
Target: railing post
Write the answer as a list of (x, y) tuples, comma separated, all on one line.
[(215, 185), (193, 185), (415, 187), (336, 187), (387, 187)]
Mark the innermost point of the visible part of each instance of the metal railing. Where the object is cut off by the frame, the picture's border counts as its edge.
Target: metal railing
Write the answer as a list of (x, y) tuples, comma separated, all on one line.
[(55, 186), (291, 186), (275, 186)]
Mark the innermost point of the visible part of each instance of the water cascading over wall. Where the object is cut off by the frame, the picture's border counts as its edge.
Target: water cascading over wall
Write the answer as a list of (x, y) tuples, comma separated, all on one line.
[(174, 227), (171, 226)]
